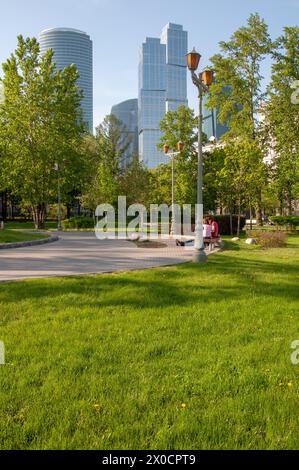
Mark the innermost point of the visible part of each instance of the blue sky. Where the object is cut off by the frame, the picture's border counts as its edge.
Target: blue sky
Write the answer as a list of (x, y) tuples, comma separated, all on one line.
[(118, 27)]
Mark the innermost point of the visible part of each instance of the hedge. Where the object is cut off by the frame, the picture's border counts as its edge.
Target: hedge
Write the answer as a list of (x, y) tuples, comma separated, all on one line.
[(78, 223), (291, 221), (224, 223)]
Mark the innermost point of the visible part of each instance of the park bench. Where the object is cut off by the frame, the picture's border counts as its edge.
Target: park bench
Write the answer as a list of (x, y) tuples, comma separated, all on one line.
[(211, 242)]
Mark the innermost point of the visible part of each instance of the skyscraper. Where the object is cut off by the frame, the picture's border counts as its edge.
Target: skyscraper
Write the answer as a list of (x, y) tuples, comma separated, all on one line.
[(71, 46), (176, 41), (162, 88), (211, 124), (127, 113)]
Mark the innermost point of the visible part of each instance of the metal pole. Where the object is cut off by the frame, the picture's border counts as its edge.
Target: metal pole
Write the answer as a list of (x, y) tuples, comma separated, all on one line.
[(59, 209), (172, 230), (199, 253)]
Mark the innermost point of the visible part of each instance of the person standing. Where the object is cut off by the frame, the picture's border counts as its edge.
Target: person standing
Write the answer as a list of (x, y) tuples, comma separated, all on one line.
[(214, 227)]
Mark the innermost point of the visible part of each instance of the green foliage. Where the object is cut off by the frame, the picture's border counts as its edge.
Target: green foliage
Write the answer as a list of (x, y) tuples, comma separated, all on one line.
[(285, 221), (108, 148), (134, 183), (216, 191), (270, 239), (180, 126), (243, 174), (177, 126), (78, 223), (40, 126), (236, 92), (281, 126)]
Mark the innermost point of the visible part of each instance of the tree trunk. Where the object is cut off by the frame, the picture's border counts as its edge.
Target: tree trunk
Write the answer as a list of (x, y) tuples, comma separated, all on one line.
[(239, 219), (231, 223), (39, 215), (259, 220), (250, 211), (289, 203), (4, 205)]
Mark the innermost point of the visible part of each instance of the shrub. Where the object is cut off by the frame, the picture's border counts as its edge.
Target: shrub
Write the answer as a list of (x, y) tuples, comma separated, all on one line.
[(52, 212), (224, 223), (78, 223), (291, 221), (270, 239)]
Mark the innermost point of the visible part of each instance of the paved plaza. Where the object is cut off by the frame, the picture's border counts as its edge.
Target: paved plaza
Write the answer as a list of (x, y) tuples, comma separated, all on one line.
[(82, 253)]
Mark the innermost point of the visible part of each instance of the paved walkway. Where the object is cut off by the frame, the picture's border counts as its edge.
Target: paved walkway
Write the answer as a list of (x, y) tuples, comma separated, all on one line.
[(83, 253)]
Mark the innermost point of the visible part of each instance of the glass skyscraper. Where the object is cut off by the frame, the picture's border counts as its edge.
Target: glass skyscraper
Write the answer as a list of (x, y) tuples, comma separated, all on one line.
[(127, 113), (71, 46), (211, 124), (162, 88)]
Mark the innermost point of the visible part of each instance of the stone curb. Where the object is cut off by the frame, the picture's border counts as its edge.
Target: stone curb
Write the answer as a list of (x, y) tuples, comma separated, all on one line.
[(7, 246)]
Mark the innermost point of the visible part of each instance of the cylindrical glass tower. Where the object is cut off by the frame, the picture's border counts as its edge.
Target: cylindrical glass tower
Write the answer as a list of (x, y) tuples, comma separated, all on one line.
[(71, 46)]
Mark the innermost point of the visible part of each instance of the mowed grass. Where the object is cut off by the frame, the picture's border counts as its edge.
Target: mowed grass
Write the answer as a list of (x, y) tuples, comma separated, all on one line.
[(13, 236), (29, 225), (187, 357)]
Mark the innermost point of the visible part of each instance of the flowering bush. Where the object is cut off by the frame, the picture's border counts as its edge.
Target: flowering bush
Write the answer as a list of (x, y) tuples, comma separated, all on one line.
[(270, 239)]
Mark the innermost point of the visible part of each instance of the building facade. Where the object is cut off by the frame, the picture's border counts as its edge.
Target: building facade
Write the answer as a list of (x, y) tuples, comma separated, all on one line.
[(162, 88), (127, 113), (71, 46), (211, 125)]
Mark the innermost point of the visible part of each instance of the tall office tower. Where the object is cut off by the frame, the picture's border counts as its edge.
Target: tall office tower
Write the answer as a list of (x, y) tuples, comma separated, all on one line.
[(162, 87), (176, 41), (71, 46), (211, 124), (127, 113)]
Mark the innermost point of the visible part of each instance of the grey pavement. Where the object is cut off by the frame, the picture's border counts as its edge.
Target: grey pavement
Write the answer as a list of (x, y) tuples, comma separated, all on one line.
[(82, 253)]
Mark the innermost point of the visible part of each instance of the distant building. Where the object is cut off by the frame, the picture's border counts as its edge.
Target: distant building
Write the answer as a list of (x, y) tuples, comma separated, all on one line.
[(162, 87), (176, 42), (71, 46), (127, 113), (270, 156), (211, 124)]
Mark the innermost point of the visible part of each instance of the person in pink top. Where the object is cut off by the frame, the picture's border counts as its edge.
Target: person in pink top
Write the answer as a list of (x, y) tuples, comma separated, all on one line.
[(214, 228)]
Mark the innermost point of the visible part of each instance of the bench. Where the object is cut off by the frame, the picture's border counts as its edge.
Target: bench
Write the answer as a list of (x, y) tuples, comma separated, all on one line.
[(211, 242)]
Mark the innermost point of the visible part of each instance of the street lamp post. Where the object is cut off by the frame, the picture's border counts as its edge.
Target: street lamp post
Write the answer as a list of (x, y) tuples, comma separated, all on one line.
[(172, 155), (202, 81)]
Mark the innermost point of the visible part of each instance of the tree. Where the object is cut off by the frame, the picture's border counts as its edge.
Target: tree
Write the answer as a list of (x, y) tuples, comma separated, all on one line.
[(179, 126), (281, 123), (213, 193), (40, 125), (242, 175), (134, 183), (109, 148), (236, 92)]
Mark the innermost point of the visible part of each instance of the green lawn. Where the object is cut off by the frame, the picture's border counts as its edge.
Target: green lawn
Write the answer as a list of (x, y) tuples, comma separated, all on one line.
[(15, 224), (187, 357), (13, 236)]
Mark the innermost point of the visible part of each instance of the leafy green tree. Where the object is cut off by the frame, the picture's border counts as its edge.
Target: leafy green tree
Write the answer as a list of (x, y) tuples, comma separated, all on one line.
[(40, 125), (237, 92), (134, 183), (281, 123), (213, 194), (179, 126), (242, 175), (109, 148)]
